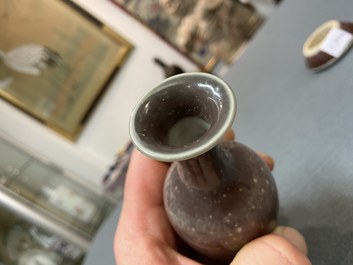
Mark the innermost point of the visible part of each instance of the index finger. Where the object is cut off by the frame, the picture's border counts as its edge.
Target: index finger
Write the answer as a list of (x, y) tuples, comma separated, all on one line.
[(144, 181)]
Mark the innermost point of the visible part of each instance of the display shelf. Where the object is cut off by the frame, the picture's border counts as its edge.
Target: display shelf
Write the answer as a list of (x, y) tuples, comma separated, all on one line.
[(48, 189), (27, 237), (37, 195), (12, 161)]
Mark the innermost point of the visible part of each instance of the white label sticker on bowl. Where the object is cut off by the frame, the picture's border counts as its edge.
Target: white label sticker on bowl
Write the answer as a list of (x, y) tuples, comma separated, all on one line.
[(336, 42)]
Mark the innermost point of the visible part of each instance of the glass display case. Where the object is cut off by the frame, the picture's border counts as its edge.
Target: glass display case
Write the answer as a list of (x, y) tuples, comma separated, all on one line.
[(47, 215), (11, 162), (24, 242)]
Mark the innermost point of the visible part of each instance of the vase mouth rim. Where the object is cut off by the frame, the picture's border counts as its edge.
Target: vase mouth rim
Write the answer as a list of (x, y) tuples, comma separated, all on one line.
[(180, 154)]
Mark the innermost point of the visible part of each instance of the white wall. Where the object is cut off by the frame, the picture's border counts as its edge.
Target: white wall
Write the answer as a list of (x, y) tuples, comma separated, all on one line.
[(107, 130)]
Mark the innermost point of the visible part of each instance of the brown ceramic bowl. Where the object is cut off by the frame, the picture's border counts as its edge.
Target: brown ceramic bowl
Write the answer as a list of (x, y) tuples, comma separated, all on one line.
[(317, 58)]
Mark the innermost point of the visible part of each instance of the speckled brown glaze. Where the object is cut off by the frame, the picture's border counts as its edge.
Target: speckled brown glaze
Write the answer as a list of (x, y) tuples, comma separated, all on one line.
[(227, 200)]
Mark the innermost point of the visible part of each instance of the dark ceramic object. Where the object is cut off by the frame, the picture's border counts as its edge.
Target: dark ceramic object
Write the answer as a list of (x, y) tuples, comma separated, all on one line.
[(316, 59), (169, 69), (218, 195)]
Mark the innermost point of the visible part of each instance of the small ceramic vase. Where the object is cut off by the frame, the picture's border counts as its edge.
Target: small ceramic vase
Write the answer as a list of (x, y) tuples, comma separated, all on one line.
[(218, 194), (327, 44)]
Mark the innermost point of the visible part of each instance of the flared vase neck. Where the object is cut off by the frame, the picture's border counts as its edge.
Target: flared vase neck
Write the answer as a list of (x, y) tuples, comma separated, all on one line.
[(203, 172)]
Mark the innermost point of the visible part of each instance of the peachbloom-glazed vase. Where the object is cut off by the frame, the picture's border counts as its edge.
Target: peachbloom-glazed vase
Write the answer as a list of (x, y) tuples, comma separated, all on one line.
[(218, 195)]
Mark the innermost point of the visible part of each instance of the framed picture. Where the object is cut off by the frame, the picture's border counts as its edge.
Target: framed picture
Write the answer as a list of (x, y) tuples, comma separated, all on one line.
[(56, 60), (204, 31)]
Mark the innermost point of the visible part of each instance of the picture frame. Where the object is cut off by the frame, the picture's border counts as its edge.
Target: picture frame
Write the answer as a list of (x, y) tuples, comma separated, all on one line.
[(56, 62), (206, 32)]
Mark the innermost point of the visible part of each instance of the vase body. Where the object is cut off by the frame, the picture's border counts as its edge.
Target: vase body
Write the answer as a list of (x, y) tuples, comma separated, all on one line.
[(219, 209), (218, 195)]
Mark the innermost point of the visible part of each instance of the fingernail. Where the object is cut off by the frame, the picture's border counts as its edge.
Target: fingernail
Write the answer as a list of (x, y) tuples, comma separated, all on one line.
[(292, 236), (268, 159)]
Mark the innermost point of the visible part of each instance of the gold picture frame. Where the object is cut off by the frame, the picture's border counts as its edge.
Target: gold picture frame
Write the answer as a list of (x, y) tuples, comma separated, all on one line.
[(56, 61)]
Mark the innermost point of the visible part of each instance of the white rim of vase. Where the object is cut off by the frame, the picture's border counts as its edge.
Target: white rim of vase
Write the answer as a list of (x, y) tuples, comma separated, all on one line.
[(196, 151)]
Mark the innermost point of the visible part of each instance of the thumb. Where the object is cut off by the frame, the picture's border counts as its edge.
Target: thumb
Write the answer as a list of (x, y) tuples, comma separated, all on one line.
[(292, 236), (285, 246)]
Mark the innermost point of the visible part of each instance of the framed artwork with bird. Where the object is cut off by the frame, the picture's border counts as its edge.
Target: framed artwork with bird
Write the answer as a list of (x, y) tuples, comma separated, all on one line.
[(56, 61)]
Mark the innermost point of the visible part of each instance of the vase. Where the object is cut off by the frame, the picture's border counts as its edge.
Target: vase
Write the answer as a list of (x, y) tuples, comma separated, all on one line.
[(218, 195)]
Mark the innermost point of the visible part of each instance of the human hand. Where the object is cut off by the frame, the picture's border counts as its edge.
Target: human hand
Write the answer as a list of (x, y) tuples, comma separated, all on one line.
[(145, 237)]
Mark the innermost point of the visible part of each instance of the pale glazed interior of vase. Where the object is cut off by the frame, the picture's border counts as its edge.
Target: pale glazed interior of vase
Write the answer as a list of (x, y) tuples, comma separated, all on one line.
[(184, 116)]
